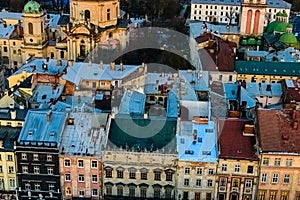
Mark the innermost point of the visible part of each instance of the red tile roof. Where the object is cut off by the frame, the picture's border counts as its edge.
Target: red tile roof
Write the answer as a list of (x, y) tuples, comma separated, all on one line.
[(232, 143), (276, 133)]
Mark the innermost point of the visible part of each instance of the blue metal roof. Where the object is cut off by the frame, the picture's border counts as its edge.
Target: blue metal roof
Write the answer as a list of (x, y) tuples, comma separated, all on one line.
[(133, 102), (42, 127), (231, 90), (218, 2), (172, 104)]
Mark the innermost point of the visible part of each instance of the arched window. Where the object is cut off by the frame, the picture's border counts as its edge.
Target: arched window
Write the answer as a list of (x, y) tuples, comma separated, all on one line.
[(108, 14), (249, 21), (87, 15), (30, 28), (42, 27)]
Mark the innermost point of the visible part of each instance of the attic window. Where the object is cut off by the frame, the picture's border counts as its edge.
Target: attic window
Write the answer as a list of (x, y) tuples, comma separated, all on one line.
[(30, 133), (189, 152), (182, 140), (52, 133), (206, 153), (44, 96)]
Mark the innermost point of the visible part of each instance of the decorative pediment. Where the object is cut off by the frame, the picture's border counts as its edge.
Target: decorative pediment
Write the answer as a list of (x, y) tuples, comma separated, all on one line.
[(80, 29)]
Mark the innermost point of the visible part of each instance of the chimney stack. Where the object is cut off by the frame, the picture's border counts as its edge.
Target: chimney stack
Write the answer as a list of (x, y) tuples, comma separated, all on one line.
[(112, 66), (11, 106), (121, 66), (70, 63), (101, 64), (13, 114), (49, 115)]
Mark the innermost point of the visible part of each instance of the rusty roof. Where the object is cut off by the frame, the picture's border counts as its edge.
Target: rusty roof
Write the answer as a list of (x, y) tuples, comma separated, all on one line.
[(279, 130)]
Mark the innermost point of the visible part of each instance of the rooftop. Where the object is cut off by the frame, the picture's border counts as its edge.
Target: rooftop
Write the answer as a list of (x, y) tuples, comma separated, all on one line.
[(232, 141), (218, 2), (78, 72), (132, 102), (8, 135), (268, 68), (84, 134), (279, 130), (293, 90), (139, 134), (46, 93), (42, 127), (278, 4), (6, 31), (264, 89), (52, 20), (197, 142), (6, 114), (42, 66), (4, 14)]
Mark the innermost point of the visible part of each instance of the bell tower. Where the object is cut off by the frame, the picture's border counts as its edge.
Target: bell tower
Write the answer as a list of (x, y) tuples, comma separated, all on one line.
[(35, 38), (253, 17)]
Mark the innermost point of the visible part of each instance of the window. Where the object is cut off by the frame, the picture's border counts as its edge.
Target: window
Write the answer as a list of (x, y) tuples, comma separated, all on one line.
[(277, 161), (80, 163), (108, 14), (35, 156), (12, 183), (222, 181), (94, 164), (209, 183), (62, 54), (10, 169), (199, 171), (156, 192), (30, 28), (237, 168), (250, 170), (94, 178), (131, 191), (284, 196), (109, 190), (157, 175), (169, 175), (220, 77), (264, 177), (24, 156), (143, 192), (261, 195), (144, 175), (120, 173), (49, 157), (224, 167), (68, 191), (36, 169), (266, 161), (187, 170), (14, 51), (1, 169), (248, 183), (37, 186), (67, 177), (288, 162), (9, 157), (94, 192), (51, 187), (210, 171), (186, 182), (5, 49), (120, 190), (132, 175), (286, 178), (81, 193), (275, 178), (50, 170), (198, 182), (235, 182), (27, 186), (108, 172), (81, 178), (272, 195), (67, 163), (25, 169), (168, 193)]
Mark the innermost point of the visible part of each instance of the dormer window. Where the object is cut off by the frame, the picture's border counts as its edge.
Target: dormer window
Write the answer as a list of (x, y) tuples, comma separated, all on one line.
[(52, 134)]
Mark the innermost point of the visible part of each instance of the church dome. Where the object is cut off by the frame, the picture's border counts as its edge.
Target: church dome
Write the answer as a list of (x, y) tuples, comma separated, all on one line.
[(32, 7), (288, 38), (277, 26), (279, 14)]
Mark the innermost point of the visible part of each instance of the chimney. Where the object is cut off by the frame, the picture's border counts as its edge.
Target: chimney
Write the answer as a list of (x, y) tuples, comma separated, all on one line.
[(70, 63), (295, 125), (294, 114), (13, 114), (112, 66), (101, 64), (49, 115), (11, 106), (90, 63), (22, 107), (59, 63), (121, 66), (195, 136)]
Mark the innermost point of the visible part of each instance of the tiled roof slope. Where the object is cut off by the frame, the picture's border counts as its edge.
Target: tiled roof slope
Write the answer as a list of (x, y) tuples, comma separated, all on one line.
[(233, 144), (279, 130)]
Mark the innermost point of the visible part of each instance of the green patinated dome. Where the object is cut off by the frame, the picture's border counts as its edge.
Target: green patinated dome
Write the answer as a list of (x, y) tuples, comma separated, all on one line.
[(284, 14), (288, 38), (279, 14), (32, 7), (289, 26), (277, 26)]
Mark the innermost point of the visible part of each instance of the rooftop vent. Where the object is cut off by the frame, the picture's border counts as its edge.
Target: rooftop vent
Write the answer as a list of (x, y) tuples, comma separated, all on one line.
[(190, 152), (248, 130)]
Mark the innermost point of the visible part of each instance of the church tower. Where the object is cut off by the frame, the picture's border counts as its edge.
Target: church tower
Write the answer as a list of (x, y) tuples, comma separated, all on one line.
[(253, 17), (35, 38), (102, 13)]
